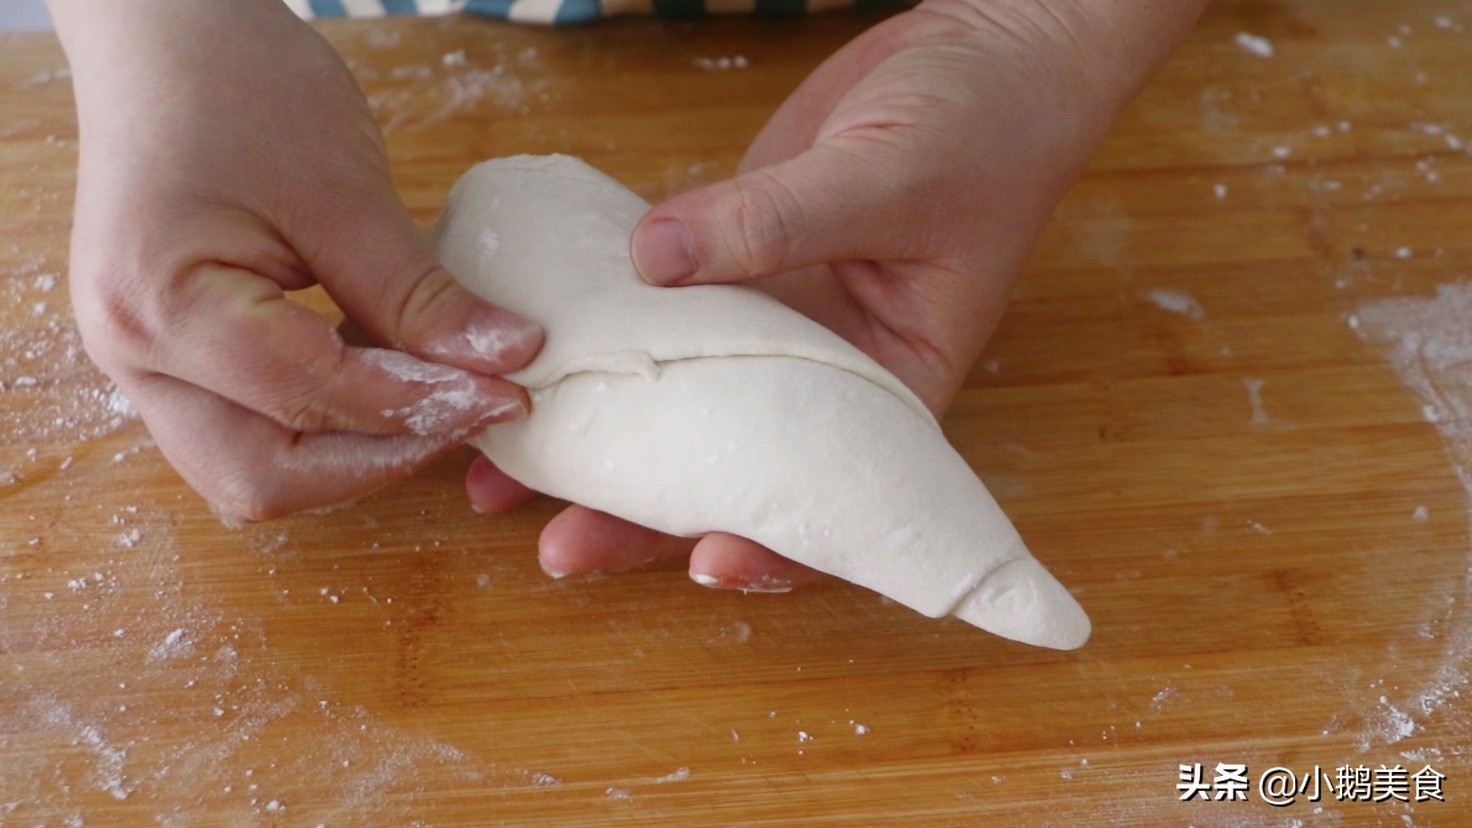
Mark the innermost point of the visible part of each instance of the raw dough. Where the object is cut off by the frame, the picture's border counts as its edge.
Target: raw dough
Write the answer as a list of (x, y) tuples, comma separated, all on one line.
[(716, 408)]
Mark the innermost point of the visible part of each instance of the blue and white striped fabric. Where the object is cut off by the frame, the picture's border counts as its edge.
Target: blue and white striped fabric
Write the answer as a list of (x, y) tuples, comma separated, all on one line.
[(561, 12)]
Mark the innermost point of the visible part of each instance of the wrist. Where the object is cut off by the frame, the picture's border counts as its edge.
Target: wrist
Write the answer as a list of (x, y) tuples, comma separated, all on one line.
[(103, 35)]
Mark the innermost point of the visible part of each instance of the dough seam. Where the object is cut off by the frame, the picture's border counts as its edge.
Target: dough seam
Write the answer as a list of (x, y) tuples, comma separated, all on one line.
[(562, 372)]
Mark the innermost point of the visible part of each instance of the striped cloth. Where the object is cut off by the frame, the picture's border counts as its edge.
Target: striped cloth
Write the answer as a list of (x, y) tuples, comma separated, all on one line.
[(561, 12)]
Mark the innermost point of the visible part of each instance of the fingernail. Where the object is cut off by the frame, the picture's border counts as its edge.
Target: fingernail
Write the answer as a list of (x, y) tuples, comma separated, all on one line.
[(510, 336), (584, 574), (764, 583), (664, 253), (461, 404), (505, 410), (496, 341)]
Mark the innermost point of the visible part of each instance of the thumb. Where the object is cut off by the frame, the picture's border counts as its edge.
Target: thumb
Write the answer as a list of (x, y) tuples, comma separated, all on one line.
[(822, 206), (388, 280)]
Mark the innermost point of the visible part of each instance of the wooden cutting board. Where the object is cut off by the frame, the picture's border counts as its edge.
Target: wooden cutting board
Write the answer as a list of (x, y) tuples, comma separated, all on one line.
[(1230, 406)]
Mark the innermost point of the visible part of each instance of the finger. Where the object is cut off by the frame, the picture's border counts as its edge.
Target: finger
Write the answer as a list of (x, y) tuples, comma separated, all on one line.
[(830, 203), (374, 263), (251, 468), (581, 541), (491, 490), (353, 334), (286, 363), (724, 561)]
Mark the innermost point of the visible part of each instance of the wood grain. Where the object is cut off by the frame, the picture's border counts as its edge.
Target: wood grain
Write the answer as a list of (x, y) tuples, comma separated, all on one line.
[(1262, 587)]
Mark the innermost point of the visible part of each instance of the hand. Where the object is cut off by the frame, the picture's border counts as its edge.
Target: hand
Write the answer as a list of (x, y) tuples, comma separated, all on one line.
[(228, 156), (892, 198)]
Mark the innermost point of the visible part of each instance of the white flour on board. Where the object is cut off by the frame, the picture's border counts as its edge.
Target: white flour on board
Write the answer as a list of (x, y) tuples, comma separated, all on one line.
[(1175, 301), (1254, 398), (1429, 342), (101, 573), (66, 399), (427, 94), (264, 732), (1255, 45), (46, 76)]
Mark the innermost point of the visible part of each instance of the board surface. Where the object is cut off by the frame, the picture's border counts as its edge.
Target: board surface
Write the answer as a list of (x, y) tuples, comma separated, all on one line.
[(1230, 405)]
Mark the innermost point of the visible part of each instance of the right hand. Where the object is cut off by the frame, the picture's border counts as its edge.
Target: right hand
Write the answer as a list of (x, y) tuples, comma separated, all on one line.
[(228, 156)]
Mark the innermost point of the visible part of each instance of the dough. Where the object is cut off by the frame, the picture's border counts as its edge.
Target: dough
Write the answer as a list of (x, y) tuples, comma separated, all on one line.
[(716, 408)]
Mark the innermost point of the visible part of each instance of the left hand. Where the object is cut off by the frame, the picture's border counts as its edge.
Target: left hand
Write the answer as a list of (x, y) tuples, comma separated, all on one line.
[(893, 198)]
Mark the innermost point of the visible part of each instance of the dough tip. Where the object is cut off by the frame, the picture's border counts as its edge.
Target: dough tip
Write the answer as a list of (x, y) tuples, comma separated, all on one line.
[(1022, 601)]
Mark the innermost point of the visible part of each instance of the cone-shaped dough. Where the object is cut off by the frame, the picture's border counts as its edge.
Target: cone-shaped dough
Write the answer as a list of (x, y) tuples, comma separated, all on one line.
[(717, 408)]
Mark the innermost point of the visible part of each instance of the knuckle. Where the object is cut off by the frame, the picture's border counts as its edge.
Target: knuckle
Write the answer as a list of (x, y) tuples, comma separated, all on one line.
[(243, 490), (426, 299), (307, 413), (758, 239), (308, 404), (246, 501), (114, 327)]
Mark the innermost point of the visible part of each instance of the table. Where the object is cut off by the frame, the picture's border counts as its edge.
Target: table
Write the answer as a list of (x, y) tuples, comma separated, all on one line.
[(1230, 406)]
